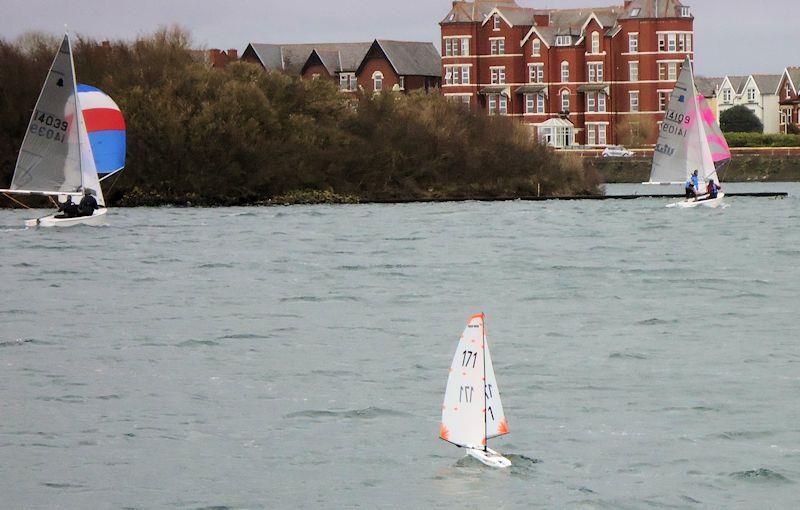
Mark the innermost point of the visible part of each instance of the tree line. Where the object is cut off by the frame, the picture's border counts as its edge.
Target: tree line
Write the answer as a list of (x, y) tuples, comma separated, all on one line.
[(241, 135)]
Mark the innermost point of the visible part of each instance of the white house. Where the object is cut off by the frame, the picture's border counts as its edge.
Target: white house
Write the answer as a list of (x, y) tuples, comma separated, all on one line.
[(758, 92)]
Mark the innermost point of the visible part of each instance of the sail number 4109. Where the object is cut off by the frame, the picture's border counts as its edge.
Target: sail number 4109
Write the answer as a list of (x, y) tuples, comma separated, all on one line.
[(49, 126)]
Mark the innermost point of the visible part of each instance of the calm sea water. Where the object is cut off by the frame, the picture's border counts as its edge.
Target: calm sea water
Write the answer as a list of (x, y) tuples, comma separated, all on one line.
[(297, 356)]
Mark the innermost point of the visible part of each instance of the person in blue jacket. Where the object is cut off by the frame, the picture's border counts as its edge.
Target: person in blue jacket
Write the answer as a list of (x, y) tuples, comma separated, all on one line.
[(692, 185), (712, 189)]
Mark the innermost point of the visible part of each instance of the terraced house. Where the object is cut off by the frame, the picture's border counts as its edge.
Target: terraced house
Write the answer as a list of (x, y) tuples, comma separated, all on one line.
[(789, 98), (595, 76), (373, 67), (757, 92)]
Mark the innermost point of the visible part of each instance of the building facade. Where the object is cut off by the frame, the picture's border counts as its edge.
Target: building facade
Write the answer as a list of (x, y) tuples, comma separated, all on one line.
[(758, 92), (789, 100), (577, 76), (371, 67)]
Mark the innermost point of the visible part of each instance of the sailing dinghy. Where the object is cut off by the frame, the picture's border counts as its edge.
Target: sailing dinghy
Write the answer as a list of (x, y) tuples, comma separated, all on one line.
[(689, 140), (57, 157), (472, 411)]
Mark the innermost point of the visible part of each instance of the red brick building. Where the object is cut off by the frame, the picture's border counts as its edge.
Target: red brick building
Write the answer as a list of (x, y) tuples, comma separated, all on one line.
[(373, 67), (594, 76), (789, 99)]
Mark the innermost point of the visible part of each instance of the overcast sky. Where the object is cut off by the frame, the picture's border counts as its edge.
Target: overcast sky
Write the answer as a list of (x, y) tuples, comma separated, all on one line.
[(732, 37)]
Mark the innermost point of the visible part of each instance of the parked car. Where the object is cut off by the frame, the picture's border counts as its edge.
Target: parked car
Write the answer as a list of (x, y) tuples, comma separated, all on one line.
[(617, 151)]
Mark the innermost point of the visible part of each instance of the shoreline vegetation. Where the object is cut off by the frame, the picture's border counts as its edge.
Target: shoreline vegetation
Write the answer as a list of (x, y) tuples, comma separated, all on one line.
[(242, 136)]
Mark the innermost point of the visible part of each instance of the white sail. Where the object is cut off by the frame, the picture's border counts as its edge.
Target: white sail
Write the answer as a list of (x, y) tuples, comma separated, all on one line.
[(49, 158), (682, 145), (88, 167), (472, 409), (496, 424)]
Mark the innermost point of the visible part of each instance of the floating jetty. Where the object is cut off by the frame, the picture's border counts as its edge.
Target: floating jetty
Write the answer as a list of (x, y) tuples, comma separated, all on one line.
[(778, 194)]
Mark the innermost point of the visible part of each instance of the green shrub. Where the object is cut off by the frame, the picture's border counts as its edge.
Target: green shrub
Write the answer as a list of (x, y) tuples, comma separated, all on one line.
[(740, 119), (762, 140), (241, 135)]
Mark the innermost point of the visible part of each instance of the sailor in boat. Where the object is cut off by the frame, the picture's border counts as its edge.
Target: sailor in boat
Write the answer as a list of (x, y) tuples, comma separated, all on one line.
[(712, 189), (88, 203), (68, 209), (692, 186)]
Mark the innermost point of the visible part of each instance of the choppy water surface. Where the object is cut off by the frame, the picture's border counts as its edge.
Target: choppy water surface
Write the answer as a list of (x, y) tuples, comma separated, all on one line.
[(297, 356)]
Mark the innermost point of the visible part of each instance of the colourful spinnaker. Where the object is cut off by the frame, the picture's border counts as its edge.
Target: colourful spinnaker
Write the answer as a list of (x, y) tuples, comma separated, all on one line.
[(106, 127)]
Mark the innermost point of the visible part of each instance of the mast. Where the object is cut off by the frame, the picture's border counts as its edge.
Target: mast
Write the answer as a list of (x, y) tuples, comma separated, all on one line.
[(485, 399), (78, 112)]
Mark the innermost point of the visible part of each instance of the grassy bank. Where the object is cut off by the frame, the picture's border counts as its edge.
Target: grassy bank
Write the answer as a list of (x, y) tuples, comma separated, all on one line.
[(742, 168), (201, 136)]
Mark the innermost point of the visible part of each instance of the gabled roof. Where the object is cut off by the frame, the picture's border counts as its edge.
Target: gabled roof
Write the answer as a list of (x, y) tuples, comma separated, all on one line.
[(767, 83), (708, 86), (653, 9), (736, 83), (409, 58), (293, 57), (479, 10), (794, 77)]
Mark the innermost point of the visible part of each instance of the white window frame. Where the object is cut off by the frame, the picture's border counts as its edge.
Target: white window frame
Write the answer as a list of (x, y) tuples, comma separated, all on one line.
[(465, 46), (633, 70), (563, 40), (530, 103), (402, 82), (672, 42), (663, 100), (535, 73), (465, 75), (633, 42), (751, 95), (595, 42), (565, 100), (377, 81), (448, 47), (496, 22), (601, 102), (595, 72), (498, 75), (601, 134), (536, 48), (633, 98), (564, 71), (591, 133), (726, 95), (540, 103), (590, 102), (503, 104), (492, 104)]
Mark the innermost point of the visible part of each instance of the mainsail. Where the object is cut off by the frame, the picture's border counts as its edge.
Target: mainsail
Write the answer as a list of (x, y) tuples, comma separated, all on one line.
[(682, 145), (50, 157), (472, 410)]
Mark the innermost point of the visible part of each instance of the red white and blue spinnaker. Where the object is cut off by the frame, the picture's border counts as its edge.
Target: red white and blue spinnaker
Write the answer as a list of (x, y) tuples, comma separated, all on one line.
[(106, 127)]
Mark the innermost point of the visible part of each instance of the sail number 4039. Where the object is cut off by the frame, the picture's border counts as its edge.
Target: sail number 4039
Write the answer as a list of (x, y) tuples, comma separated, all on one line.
[(49, 126)]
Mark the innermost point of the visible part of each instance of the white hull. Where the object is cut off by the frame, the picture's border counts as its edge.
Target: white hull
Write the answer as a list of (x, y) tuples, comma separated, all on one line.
[(489, 457), (709, 202), (98, 218)]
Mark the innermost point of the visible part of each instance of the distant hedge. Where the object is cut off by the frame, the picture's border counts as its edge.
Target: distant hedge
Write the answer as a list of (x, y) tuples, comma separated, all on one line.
[(762, 140), (241, 135)]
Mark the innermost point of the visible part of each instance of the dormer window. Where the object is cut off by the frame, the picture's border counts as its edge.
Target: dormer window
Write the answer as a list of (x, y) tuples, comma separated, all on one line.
[(635, 12), (536, 48), (684, 12), (751, 95), (497, 22), (595, 42), (563, 40)]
